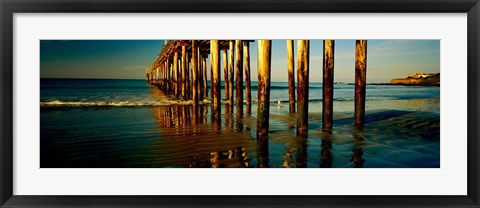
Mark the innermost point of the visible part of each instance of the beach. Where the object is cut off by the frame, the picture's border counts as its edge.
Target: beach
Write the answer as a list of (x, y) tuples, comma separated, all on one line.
[(107, 123)]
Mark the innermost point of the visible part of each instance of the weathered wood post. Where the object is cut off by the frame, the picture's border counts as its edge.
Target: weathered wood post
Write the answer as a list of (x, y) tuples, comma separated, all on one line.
[(172, 79), (184, 72), (199, 74), (204, 66), (194, 62), (291, 76), (302, 87), (162, 75), (215, 62), (225, 72), (175, 72), (246, 64), (230, 74), (187, 77), (167, 76), (360, 81), (328, 60), (211, 78), (263, 110), (239, 78)]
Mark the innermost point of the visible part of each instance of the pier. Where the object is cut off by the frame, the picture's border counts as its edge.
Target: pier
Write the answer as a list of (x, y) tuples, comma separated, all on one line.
[(181, 70)]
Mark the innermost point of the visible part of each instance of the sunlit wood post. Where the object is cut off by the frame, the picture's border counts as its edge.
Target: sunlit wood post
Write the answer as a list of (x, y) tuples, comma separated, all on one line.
[(215, 62), (225, 72), (291, 76), (184, 72), (302, 87), (164, 76), (167, 75), (163, 72), (160, 75), (200, 74), (175, 72), (194, 73), (172, 79), (246, 64), (211, 78), (360, 81), (187, 77), (264, 69), (239, 78), (328, 60), (230, 74), (204, 65), (156, 74)]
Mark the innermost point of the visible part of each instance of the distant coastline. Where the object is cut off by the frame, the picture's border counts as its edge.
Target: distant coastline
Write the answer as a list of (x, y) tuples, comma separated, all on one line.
[(417, 79)]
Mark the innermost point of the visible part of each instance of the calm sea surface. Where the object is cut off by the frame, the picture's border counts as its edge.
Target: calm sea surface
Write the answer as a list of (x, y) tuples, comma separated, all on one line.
[(95, 123)]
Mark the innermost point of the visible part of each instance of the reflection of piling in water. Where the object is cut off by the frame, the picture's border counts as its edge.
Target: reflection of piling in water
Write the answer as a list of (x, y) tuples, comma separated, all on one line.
[(360, 81), (326, 153), (302, 87), (301, 153), (291, 76), (328, 51), (357, 159)]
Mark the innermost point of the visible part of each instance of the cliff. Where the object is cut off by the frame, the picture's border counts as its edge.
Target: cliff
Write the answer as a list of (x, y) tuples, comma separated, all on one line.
[(421, 79)]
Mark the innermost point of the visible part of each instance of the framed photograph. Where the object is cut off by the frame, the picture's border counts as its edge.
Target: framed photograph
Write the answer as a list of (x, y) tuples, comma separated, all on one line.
[(239, 104)]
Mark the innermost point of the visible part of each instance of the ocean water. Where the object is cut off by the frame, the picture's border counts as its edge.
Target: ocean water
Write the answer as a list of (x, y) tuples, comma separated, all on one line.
[(100, 123)]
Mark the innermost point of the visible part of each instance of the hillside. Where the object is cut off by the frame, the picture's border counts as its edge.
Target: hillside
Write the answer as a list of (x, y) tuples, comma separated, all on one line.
[(421, 79)]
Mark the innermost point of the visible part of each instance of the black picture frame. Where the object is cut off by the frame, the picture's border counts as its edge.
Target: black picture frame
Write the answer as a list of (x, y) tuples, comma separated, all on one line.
[(9, 7)]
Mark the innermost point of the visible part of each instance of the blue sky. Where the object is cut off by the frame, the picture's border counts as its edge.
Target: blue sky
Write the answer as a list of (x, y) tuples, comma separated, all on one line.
[(127, 59)]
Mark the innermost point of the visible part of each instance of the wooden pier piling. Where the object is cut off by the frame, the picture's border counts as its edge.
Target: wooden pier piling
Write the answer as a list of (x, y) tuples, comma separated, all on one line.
[(230, 74), (246, 65), (175, 72), (194, 69), (302, 87), (204, 66), (199, 74), (215, 62), (264, 70), (291, 76), (167, 76), (188, 88), (328, 61), (239, 78), (225, 72), (184, 72), (360, 82), (211, 79)]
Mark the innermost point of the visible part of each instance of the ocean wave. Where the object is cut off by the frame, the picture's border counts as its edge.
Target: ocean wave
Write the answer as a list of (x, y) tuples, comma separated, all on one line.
[(166, 102), (58, 103)]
